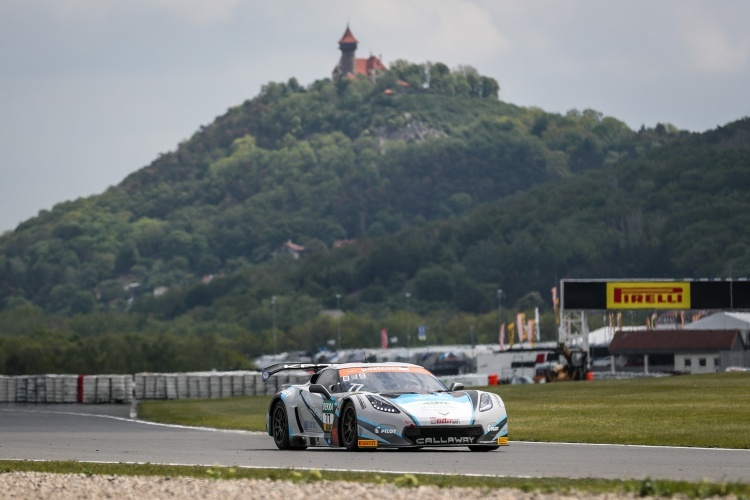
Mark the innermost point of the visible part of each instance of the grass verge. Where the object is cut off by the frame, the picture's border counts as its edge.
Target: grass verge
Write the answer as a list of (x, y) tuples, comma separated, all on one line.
[(646, 487), (691, 410)]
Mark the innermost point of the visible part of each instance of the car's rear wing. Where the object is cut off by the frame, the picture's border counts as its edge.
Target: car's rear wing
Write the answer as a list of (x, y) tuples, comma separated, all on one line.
[(280, 367)]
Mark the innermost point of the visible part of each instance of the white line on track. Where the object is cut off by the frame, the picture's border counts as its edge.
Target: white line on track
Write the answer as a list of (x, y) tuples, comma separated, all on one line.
[(261, 433), (136, 420)]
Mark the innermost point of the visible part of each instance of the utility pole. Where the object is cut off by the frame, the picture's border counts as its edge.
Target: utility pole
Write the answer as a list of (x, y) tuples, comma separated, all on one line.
[(273, 316), (499, 310), (338, 321), (408, 325)]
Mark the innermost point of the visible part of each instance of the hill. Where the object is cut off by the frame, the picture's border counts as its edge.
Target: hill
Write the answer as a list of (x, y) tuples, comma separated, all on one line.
[(441, 190)]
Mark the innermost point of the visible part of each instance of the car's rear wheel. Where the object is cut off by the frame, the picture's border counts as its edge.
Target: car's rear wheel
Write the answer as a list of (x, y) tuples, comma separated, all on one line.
[(349, 428), (483, 448)]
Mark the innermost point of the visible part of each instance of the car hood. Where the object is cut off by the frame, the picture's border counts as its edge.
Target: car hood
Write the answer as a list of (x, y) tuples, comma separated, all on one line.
[(436, 408)]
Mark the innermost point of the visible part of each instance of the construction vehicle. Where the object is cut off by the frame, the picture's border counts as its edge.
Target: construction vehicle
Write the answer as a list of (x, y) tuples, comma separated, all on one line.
[(564, 364)]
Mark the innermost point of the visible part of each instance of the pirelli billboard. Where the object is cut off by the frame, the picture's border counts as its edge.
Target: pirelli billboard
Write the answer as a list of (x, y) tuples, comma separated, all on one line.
[(725, 295)]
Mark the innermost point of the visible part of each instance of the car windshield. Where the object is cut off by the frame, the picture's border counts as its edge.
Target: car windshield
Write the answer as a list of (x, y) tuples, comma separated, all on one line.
[(390, 381)]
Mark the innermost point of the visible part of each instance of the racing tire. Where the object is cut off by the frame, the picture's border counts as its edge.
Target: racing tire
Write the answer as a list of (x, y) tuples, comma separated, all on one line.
[(349, 428), (483, 448), (280, 429)]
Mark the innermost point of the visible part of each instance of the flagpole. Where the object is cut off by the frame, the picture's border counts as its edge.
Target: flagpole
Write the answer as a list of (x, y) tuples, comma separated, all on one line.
[(500, 311)]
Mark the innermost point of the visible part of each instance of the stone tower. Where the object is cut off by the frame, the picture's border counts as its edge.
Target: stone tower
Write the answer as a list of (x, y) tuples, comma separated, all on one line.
[(348, 46)]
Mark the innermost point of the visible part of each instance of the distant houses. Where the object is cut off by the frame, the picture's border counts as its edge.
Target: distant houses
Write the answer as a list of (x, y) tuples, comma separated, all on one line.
[(296, 251), (711, 344), (289, 248), (681, 351)]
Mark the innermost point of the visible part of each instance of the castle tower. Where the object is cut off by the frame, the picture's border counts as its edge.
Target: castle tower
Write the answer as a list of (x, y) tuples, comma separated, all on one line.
[(348, 46)]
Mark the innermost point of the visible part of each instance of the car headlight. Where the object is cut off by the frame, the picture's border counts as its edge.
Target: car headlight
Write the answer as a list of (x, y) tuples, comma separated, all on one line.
[(381, 405), (485, 402)]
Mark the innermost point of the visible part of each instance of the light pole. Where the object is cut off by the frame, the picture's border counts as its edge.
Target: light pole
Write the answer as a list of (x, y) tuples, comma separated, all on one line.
[(338, 321), (408, 325), (499, 310), (273, 316)]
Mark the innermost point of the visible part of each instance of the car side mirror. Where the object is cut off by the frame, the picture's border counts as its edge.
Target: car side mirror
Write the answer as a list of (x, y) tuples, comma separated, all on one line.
[(456, 386), (320, 389)]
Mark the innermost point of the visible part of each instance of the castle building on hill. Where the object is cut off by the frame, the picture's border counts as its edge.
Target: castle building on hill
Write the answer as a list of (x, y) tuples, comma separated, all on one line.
[(349, 66)]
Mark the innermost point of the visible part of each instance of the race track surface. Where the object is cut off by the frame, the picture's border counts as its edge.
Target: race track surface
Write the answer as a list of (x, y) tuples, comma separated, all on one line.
[(105, 433)]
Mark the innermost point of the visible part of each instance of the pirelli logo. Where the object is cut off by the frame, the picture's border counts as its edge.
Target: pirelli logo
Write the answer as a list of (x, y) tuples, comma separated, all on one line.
[(502, 441), (367, 443), (648, 295)]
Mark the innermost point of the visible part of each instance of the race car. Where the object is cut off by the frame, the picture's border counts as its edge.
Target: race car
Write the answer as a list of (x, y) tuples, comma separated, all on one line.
[(382, 405)]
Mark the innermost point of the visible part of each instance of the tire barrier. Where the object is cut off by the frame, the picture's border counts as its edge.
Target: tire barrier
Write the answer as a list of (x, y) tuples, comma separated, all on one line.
[(66, 389), (103, 389), (211, 385)]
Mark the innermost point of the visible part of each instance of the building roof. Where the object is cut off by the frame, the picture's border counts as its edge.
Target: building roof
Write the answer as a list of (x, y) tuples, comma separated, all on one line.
[(293, 246), (368, 66), (639, 342), (348, 37), (722, 321), (604, 335)]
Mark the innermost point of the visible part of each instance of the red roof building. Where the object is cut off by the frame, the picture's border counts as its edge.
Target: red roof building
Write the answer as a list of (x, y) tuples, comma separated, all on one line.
[(685, 351), (349, 66)]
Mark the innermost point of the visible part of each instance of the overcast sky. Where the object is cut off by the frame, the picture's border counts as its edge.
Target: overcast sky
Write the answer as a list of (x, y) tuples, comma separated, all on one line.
[(92, 90)]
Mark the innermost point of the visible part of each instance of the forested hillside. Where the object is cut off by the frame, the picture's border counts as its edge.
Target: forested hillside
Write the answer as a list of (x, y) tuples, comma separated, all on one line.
[(428, 182)]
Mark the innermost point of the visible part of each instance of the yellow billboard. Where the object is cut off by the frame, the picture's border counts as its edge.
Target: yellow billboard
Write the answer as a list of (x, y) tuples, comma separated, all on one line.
[(648, 295)]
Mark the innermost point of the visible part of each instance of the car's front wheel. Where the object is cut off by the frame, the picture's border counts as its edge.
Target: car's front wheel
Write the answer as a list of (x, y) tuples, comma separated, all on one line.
[(349, 428), (280, 427)]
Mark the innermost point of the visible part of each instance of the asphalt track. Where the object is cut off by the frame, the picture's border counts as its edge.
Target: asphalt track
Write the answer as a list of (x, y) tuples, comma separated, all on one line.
[(105, 433)]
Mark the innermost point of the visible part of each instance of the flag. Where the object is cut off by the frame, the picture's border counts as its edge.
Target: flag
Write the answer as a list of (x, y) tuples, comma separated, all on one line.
[(555, 304), (501, 337), (510, 333), (520, 320), (530, 331), (537, 333), (383, 339)]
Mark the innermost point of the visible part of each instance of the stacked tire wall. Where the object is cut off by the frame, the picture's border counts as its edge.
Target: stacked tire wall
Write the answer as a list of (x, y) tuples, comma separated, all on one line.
[(107, 389), (66, 389), (211, 385)]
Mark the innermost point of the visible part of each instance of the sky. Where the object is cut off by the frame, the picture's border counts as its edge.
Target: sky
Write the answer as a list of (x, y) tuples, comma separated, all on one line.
[(93, 90)]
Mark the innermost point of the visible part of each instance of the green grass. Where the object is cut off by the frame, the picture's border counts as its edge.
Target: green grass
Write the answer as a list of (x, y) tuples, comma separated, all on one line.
[(692, 410), (248, 413), (575, 487), (695, 410)]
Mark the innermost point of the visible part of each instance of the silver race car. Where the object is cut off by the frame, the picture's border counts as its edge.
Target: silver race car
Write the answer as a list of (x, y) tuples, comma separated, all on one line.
[(382, 405)]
